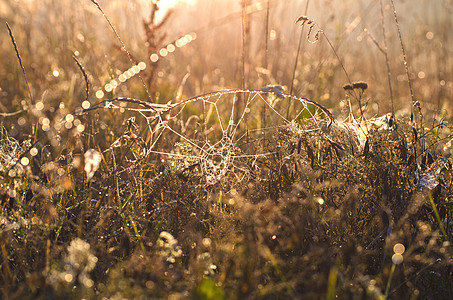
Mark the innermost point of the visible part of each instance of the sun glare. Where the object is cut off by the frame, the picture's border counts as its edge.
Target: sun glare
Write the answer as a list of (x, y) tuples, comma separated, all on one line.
[(168, 4)]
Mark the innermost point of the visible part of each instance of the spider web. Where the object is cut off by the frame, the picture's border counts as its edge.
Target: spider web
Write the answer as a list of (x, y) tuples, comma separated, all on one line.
[(228, 134)]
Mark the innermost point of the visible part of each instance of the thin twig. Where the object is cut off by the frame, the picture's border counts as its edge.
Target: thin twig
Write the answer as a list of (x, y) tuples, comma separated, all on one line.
[(244, 50), (266, 65), (12, 114), (20, 62), (243, 43), (298, 51), (122, 45), (406, 67), (87, 82), (403, 51), (267, 43), (389, 74), (297, 59)]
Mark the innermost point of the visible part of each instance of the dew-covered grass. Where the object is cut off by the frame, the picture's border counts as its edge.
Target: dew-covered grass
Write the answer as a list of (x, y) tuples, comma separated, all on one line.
[(226, 150)]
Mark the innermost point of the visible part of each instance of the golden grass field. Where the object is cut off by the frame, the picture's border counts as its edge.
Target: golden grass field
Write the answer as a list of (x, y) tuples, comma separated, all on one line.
[(226, 149)]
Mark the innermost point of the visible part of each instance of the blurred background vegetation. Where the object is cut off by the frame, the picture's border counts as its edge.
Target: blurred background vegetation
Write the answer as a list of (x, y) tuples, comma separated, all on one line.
[(49, 32)]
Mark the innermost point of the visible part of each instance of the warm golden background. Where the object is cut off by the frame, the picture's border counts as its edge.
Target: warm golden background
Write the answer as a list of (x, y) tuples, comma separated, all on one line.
[(230, 195)]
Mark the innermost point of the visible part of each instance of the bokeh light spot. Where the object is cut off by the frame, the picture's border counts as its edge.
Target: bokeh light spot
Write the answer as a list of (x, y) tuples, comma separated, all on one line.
[(80, 128), (99, 94), (69, 118), (142, 65), (39, 105), (33, 151), (136, 69), (171, 48), (179, 43), (163, 52), (68, 277), (187, 38), (399, 248), (397, 259), (108, 87), (25, 161), (60, 171), (86, 104), (21, 121), (154, 57)]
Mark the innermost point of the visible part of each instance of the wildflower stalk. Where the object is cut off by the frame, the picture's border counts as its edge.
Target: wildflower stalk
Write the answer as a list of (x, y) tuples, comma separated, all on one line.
[(20, 62), (297, 59), (406, 66), (389, 74), (122, 45)]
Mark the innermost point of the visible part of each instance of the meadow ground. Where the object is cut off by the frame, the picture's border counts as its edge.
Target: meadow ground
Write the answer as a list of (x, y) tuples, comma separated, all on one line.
[(226, 149)]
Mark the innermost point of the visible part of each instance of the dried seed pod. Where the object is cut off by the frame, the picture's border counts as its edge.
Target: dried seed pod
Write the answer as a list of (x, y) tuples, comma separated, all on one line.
[(355, 85), (306, 20), (347, 87), (360, 85), (303, 19)]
